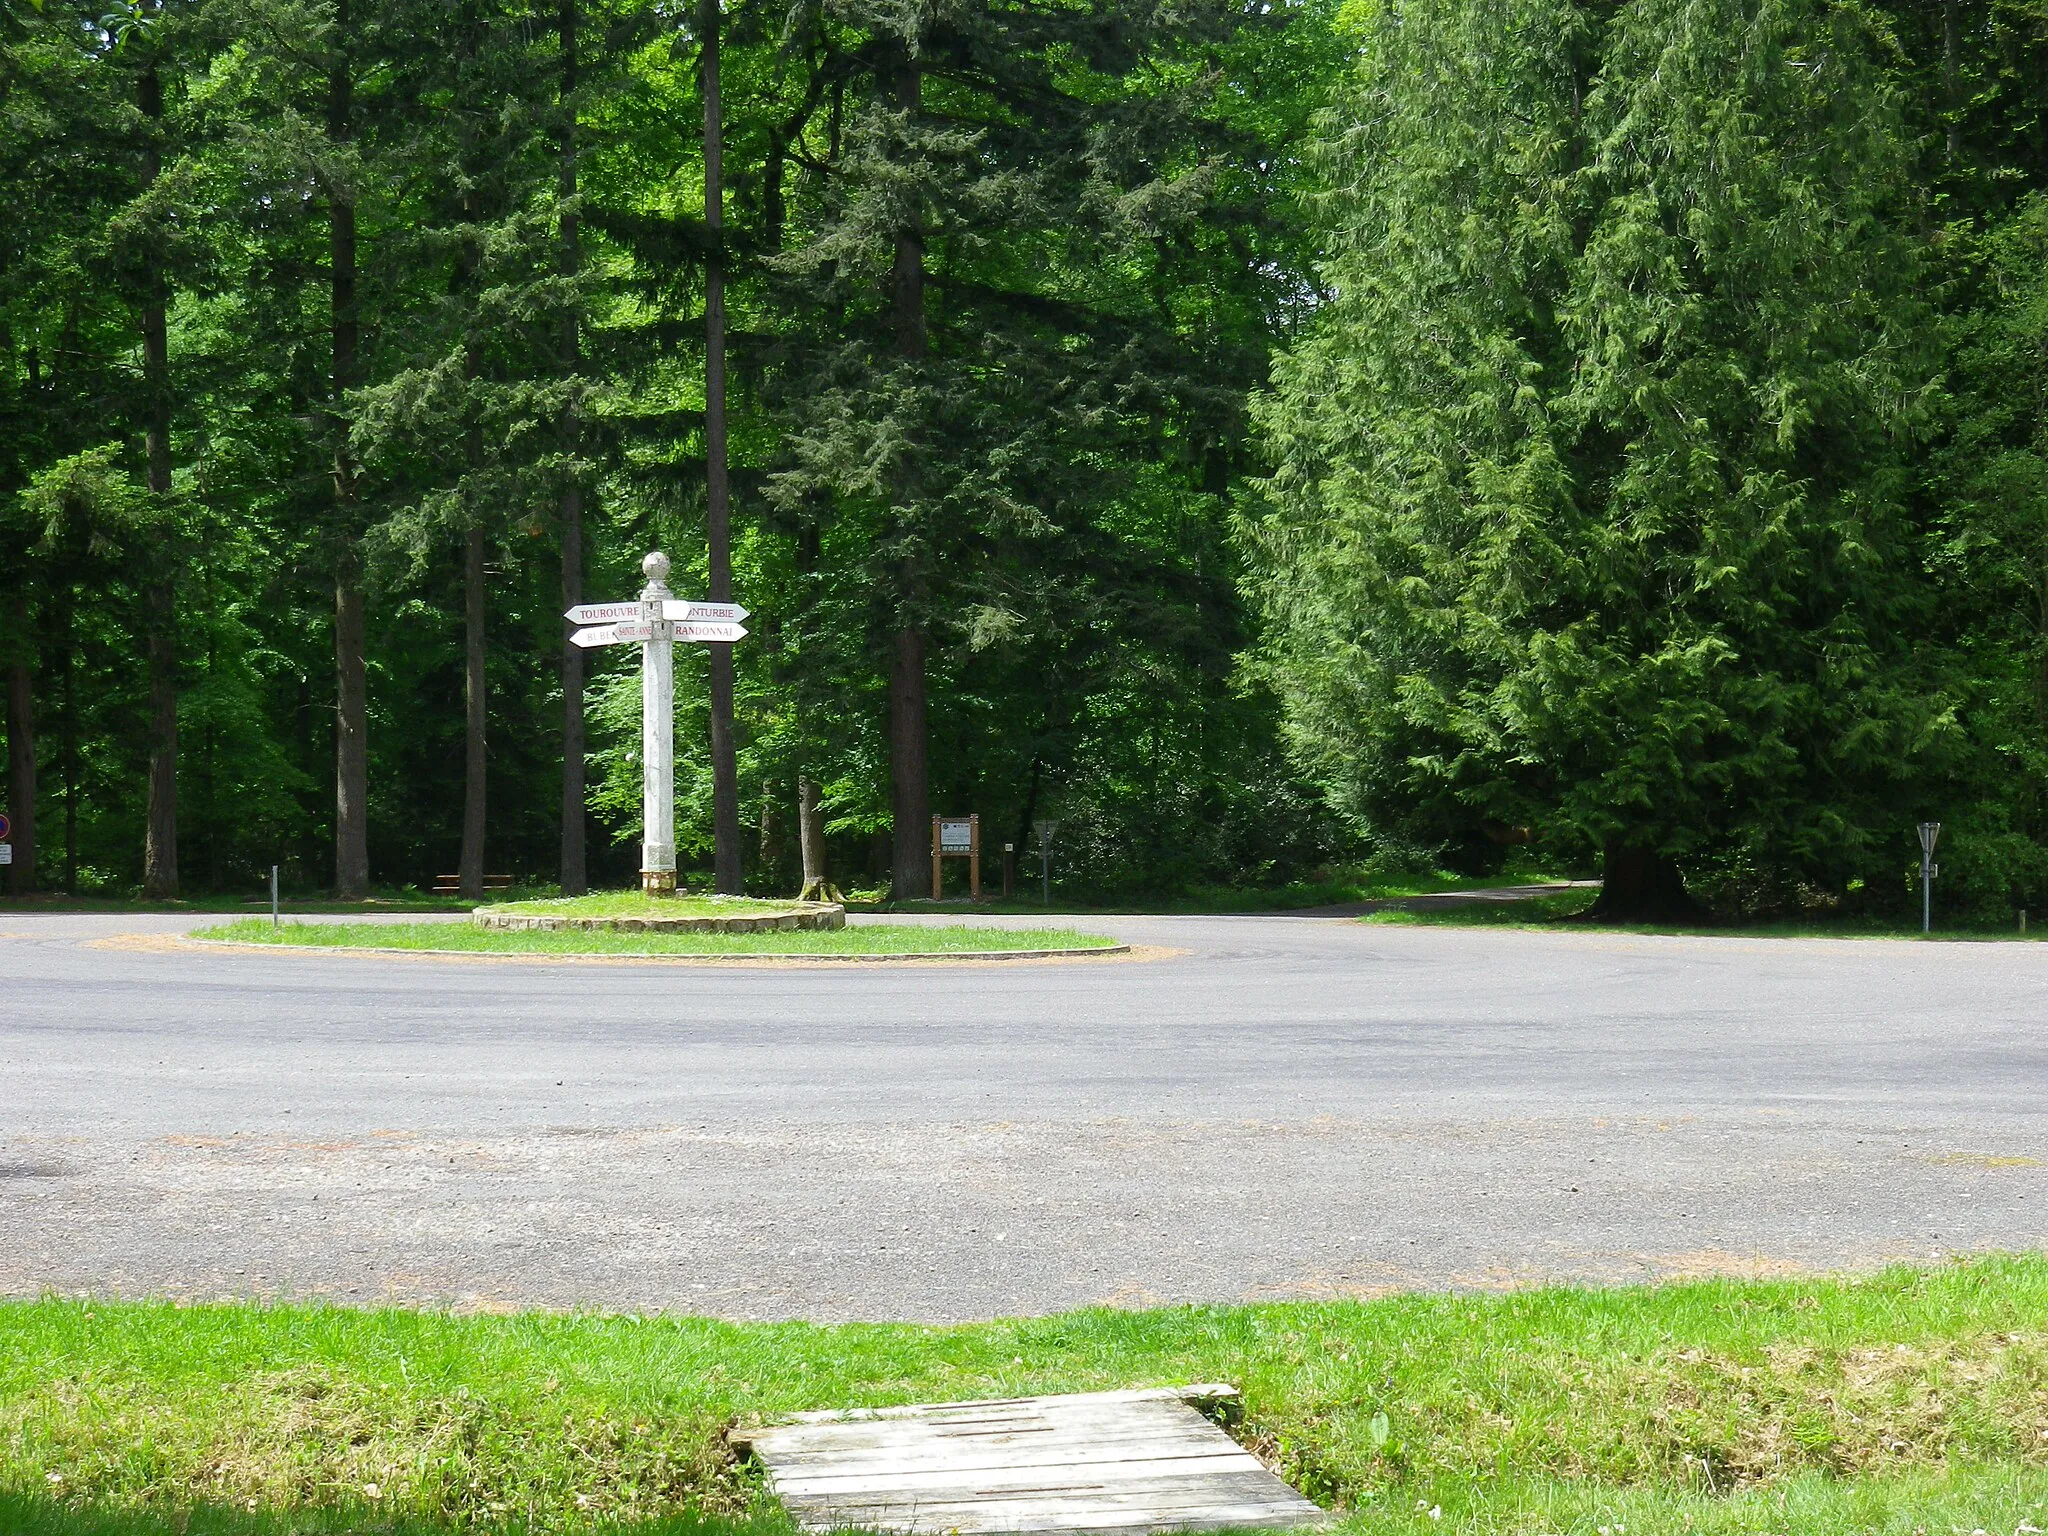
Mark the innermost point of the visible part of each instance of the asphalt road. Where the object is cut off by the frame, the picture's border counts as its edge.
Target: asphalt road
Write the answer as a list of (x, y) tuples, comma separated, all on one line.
[(1289, 1107)]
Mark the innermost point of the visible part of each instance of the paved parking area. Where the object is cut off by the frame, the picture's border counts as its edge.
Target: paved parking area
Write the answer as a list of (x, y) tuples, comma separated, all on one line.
[(1287, 1106)]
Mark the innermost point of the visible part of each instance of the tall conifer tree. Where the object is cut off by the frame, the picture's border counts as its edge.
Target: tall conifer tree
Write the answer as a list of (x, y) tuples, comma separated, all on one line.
[(1588, 513), (988, 324)]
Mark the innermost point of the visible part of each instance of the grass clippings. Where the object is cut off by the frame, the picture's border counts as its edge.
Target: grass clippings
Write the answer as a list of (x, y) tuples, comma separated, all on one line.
[(1910, 1401)]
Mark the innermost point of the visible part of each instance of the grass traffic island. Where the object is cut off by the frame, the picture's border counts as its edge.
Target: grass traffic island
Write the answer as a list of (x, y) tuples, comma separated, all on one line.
[(635, 912), (1908, 1401), (867, 941)]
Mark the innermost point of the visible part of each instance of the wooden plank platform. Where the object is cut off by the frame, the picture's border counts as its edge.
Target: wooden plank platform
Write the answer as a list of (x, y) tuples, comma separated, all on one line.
[(1105, 1463)]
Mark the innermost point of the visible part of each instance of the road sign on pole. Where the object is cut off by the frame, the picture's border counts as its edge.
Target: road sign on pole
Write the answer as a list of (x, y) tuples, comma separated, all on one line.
[(710, 632), (656, 621), (1930, 834), (679, 609), (615, 634), (1045, 830), (6, 827), (602, 613)]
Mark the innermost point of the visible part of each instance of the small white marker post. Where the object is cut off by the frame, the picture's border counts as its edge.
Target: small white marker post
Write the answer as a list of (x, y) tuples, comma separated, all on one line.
[(657, 621)]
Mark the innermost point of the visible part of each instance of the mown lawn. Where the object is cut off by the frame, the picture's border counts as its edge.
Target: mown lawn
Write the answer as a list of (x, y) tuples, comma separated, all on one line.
[(469, 938), (638, 904), (1911, 1402)]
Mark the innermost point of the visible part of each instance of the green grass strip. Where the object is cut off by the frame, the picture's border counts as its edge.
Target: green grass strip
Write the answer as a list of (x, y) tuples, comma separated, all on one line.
[(1912, 1400), (468, 938), (1566, 912), (638, 904)]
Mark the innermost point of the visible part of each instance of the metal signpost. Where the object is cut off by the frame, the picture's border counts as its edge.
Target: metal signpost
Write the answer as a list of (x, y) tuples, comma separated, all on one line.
[(6, 848), (1045, 830), (656, 622), (1930, 834)]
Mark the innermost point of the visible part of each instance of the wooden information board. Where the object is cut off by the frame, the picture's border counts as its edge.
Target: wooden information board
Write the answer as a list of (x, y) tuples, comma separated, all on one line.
[(956, 837)]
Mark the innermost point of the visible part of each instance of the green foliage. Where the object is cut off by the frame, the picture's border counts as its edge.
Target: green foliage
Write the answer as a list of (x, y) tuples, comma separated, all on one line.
[(1992, 561), (1655, 441), (1911, 1397), (1108, 251), (1590, 503)]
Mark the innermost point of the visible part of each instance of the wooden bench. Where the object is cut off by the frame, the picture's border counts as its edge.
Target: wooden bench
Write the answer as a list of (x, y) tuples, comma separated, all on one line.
[(451, 885)]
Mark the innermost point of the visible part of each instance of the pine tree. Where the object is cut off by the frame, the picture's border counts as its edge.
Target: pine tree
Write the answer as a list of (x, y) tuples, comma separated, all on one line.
[(464, 419), (991, 343)]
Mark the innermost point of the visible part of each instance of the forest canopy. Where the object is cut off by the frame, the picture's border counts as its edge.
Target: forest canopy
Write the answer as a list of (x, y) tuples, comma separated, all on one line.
[(1257, 436)]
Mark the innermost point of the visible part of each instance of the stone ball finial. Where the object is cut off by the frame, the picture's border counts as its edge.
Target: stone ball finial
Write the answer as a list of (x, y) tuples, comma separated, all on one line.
[(655, 566)]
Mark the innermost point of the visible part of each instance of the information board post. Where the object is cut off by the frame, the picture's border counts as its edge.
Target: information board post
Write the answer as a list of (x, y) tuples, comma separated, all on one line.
[(956, 837)]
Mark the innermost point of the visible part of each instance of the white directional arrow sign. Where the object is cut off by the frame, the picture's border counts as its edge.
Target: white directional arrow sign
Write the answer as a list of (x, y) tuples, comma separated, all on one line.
[(675, 608), (612, 634), (602, 613), (706, 630)]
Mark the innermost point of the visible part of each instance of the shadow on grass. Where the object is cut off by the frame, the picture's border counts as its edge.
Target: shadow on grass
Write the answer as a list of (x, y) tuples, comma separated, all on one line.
[(33, 1515)]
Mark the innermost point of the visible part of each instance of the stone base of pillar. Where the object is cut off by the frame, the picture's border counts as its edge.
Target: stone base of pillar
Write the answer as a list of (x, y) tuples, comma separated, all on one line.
[(657, 882)]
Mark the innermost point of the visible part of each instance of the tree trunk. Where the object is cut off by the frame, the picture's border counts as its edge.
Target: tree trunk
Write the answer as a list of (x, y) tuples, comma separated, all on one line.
[(351, 745), (770, 849), (725, 792), (1951, 75), (1641, 885), (475, 715), (476, 709), (160, 840), (575, 856), (67, 735), (1030, 812), (909, 771), (907, 276), (351, 691), (810, 836), (21, 755), (160, 595), (909, 743)]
